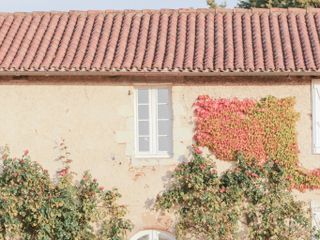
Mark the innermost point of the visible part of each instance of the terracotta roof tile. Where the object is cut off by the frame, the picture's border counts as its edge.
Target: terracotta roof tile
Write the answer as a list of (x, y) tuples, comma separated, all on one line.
[(219, 43), (184, 40), (209, 43), (277, 49), (181, 42), (248, 43), (238, 42)]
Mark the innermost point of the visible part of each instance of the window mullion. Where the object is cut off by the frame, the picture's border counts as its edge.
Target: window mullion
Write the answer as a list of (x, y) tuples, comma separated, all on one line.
[(155, 235)]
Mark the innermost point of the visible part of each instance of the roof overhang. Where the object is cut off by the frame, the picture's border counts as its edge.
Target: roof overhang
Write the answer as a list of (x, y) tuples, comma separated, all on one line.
[(162, 74)]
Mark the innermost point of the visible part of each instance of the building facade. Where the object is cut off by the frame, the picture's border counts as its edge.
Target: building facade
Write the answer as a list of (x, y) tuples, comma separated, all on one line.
[(119, 87)]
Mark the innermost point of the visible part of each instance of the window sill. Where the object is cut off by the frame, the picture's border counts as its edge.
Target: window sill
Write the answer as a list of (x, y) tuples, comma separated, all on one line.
[(153, 160), (316, 150), (155, 156)]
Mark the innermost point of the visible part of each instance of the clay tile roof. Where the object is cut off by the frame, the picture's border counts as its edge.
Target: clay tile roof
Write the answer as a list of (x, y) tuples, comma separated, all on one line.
[(184, 40)]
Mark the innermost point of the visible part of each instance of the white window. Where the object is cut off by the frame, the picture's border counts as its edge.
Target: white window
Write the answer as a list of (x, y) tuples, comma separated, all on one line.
[(152, 235), (153, 122), (316, 116)]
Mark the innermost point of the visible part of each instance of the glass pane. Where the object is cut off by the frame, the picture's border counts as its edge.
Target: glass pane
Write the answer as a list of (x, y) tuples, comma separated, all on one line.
[(164, 144), (163, 111), (143, 128), (163, 237), (163, 95), (145, 238), (144, 144), (164, 127), (143, 96), (143, 112)]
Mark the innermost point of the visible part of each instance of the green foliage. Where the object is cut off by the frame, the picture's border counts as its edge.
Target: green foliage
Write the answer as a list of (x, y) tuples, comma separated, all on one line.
[(260, 130), (278, 3), (270, 3), (211, 207), (213, 4), (270, 209), (257, 192), (33, 206), (195, 196)]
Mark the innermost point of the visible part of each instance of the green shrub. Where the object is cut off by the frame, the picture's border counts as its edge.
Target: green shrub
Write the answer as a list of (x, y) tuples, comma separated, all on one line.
[(197, 199), (35, 207), (212, 207)]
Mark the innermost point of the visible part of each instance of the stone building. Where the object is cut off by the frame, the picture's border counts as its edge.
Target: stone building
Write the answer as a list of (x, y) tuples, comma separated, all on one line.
[(119, 86)]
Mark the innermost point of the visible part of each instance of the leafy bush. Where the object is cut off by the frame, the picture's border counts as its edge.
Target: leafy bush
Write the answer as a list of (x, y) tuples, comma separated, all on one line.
[(268, 205), (195, 195), (33, 206), (211, 207)]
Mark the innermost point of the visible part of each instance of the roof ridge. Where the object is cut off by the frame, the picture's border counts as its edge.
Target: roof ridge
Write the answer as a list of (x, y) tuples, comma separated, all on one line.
[(169, 10)]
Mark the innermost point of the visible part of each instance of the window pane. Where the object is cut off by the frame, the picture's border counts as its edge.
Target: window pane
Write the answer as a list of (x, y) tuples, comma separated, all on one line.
[(144, 144), (163, 237), (143, 128), (163, 111), (145, 238), (143, 112), (163, 95), (164, 127), (164, 144), (143, 96)]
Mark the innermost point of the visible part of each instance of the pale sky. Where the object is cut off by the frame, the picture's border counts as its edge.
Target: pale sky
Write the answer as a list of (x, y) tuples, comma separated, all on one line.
[(63, 5)]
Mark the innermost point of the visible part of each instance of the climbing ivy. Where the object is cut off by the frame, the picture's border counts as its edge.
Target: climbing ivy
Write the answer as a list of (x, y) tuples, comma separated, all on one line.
[(260, 130), (253, 200)]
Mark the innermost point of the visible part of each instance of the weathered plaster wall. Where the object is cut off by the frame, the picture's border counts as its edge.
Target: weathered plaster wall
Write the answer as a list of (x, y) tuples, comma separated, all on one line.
[(96, 120)]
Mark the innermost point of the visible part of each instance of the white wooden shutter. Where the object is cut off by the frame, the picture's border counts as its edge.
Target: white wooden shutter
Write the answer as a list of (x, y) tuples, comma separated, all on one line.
[(315, 211), (316, 116)]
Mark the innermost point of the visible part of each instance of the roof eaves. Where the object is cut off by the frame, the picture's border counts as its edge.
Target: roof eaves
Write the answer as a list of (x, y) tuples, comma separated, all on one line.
[(158, 73)]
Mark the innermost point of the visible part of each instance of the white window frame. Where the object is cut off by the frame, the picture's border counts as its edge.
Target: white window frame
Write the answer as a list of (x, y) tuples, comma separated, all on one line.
[(316, 115), (153, 234), (153, 126)]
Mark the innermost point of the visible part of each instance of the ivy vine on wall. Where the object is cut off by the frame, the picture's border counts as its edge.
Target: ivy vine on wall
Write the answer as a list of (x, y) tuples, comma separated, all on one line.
[(260, 130), (261, 137)]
